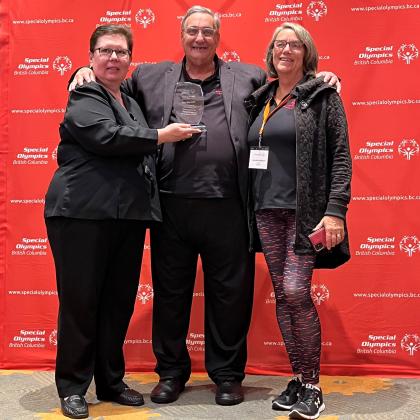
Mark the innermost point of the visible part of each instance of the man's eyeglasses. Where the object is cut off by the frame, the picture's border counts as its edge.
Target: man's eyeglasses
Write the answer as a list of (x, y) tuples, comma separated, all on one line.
[(205, 32), (293, 45), (107, 52)]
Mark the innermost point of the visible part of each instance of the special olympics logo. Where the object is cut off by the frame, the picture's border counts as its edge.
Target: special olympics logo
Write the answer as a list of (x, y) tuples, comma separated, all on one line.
[(410, 245), (319, 293), (410, 343), (231, 56), (54, 153), (408, 148), (408, 53), (62, 64), (317, 9), (53, 338), (144, 293), (145, 17)]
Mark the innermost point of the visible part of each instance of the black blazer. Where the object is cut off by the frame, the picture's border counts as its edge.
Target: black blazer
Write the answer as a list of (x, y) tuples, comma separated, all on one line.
[(153, 87), (106, 160)]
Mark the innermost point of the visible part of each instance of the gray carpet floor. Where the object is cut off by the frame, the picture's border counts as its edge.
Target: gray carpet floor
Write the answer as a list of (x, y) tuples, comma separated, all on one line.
[(32, 395)]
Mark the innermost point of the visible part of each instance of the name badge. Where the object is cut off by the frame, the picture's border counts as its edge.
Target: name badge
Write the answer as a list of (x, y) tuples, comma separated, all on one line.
[(258, 158)]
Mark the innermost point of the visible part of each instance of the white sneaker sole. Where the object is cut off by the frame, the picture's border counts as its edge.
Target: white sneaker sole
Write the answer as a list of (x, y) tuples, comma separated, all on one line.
[(294, 414), (281, 407)]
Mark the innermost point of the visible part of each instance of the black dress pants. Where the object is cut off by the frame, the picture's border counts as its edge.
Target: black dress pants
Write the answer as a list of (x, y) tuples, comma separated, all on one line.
[(216, 230), (97, 268)]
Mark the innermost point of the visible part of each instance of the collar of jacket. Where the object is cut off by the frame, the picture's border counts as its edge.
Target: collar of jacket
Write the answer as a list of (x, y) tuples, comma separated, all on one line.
[(305, 91)]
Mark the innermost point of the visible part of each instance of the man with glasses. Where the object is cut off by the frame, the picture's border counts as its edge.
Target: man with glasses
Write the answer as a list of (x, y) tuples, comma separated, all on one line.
[(203, 184)]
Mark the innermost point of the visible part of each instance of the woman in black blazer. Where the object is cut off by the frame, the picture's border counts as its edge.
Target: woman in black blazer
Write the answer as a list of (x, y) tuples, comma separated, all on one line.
[(98, 205)]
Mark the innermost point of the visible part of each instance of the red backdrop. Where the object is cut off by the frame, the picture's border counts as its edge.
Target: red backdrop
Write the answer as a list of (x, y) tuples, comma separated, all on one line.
[(369, 307)]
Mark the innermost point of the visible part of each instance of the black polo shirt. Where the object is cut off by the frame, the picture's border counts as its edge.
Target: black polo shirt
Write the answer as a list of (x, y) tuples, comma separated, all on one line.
[(276, 186), (205, 165)]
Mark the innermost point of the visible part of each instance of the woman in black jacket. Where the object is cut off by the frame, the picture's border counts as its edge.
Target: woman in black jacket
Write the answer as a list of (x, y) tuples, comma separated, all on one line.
[(299, 143), (98, 205)]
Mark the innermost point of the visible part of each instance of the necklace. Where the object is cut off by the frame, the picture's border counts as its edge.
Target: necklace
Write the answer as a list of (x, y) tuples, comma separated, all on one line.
[(278, 97)]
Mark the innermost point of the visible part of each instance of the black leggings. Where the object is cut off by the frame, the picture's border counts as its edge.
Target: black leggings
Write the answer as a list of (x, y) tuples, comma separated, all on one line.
[(291, 275)]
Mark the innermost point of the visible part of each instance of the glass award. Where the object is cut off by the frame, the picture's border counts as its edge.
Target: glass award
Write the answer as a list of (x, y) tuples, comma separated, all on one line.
[(189, 104)]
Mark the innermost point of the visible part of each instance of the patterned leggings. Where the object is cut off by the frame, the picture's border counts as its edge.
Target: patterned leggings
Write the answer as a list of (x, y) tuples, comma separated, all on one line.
[(291, 275)]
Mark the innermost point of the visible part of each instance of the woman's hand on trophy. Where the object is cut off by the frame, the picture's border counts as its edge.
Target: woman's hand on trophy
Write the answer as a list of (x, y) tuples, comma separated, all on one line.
[(176, 132)]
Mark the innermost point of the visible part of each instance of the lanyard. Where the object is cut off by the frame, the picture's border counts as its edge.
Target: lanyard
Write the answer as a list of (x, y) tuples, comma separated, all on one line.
[(267, 115)]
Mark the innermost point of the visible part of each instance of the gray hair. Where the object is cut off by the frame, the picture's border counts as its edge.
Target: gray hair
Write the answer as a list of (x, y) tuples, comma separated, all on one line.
[(310, 60), (201, 9)]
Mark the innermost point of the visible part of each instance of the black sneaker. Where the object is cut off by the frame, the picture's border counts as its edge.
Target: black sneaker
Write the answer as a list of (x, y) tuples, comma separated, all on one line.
[(310, 404), (289, 397)]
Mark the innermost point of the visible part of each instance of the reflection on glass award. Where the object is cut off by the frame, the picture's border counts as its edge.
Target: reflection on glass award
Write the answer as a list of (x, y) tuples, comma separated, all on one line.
[(189, 104)]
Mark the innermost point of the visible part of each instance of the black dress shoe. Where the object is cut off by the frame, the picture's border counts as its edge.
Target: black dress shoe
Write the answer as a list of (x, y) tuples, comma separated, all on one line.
[(167, 391), (128, 397), (75, 407), (229, 393)]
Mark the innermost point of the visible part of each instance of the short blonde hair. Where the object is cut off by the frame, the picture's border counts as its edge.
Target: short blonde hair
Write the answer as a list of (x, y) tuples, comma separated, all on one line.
[(310, 60)]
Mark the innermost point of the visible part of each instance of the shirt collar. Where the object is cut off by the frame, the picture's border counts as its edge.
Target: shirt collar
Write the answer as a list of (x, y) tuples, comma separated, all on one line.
[(211, 78)]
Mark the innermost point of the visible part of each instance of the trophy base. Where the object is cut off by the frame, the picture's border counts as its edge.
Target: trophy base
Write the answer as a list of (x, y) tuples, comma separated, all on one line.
[(201, 127)]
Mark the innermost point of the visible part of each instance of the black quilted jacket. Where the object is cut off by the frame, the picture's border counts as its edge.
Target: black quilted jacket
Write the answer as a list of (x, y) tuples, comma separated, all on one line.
[(323, 162)]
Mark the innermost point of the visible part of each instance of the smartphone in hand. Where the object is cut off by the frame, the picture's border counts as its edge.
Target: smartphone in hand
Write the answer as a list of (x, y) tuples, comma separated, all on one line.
[(318, 239)]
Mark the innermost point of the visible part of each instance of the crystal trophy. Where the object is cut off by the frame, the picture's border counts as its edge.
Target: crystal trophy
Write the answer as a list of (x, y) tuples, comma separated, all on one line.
[(189, 104)]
